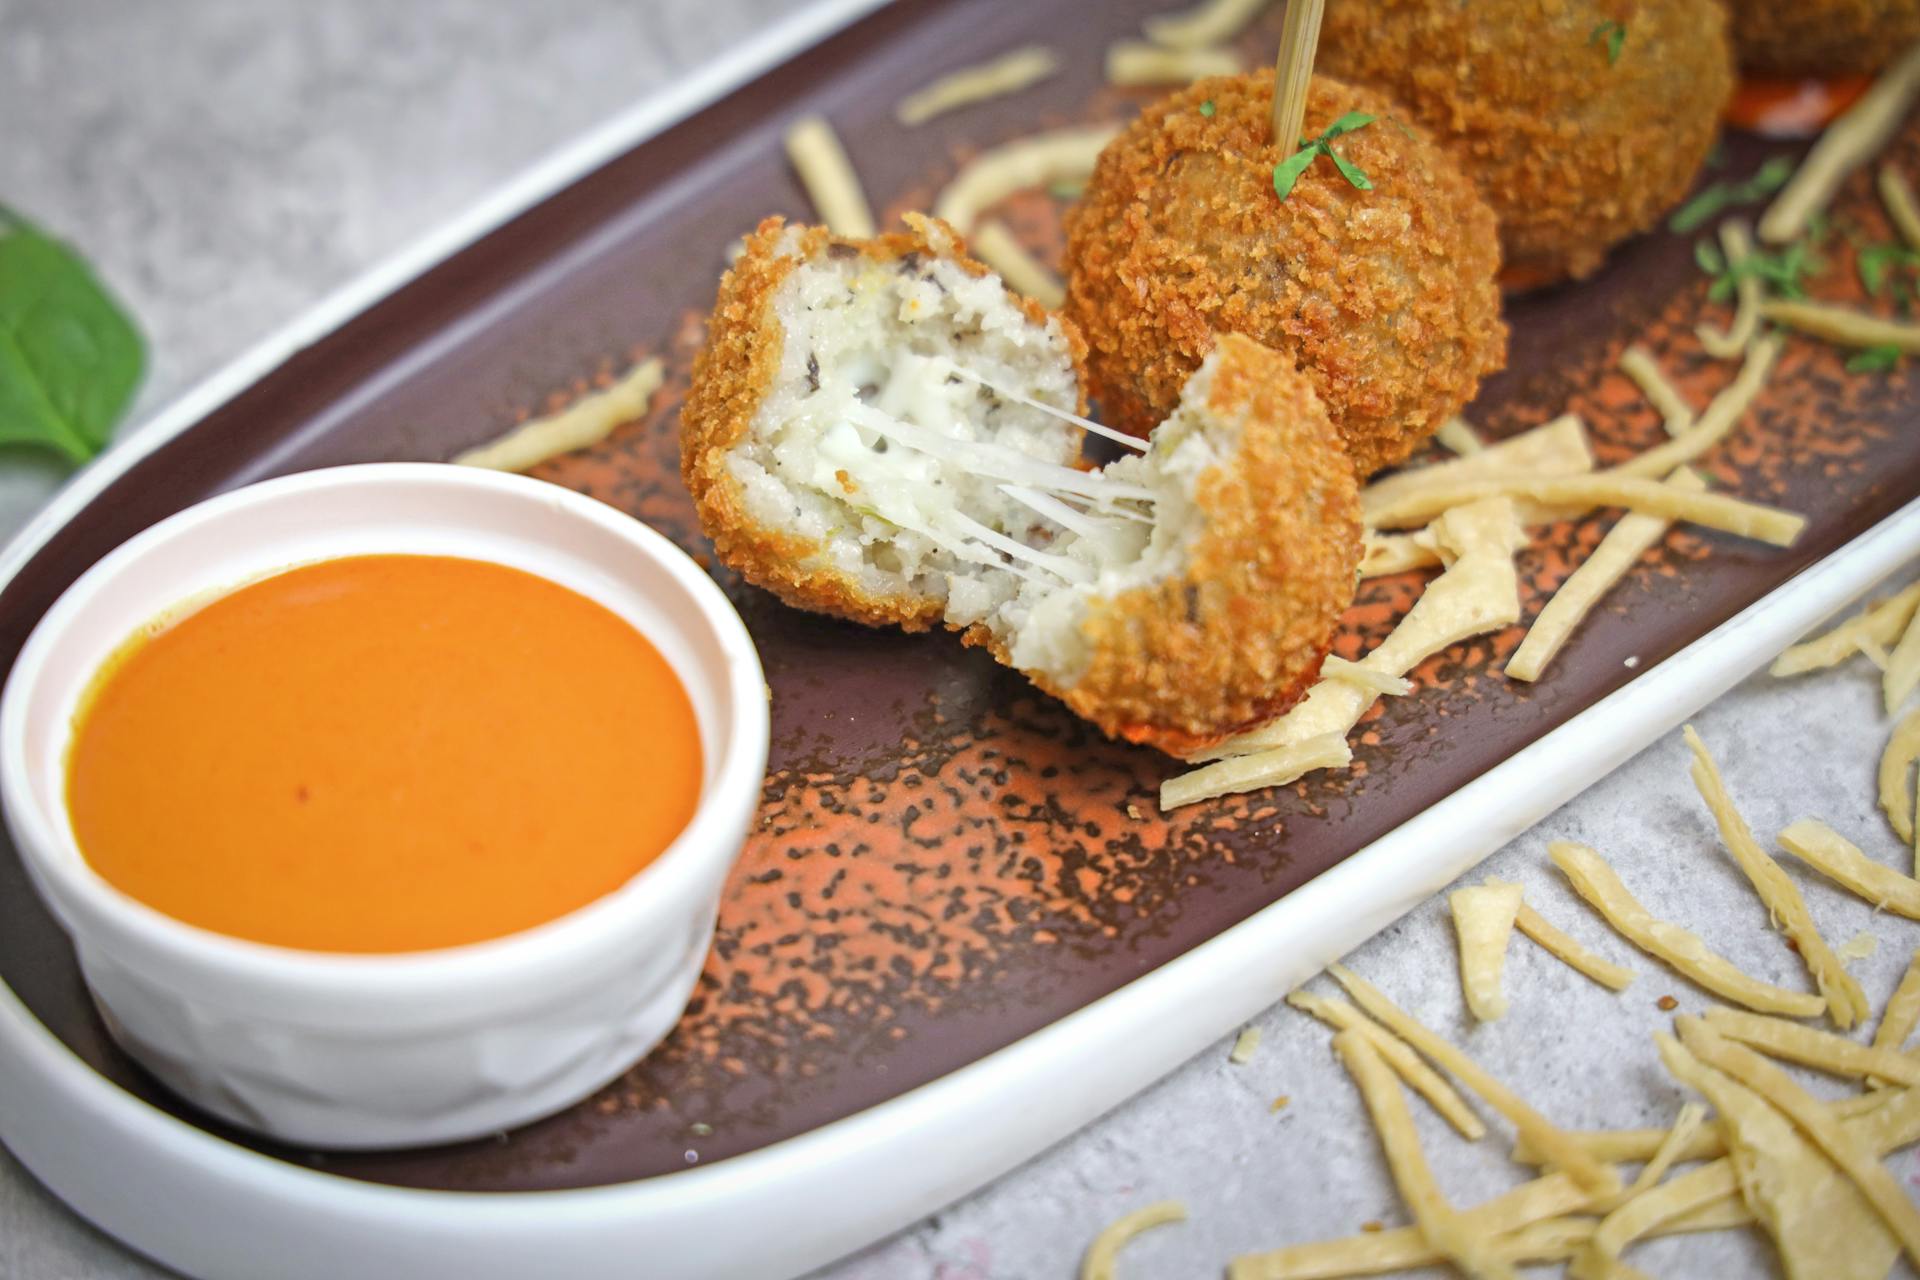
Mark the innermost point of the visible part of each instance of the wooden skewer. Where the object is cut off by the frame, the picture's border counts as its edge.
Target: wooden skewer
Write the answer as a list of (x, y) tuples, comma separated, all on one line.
[(1293, 70)]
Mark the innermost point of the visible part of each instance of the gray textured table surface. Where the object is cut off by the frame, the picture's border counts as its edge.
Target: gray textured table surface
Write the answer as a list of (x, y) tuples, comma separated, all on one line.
[(225, 162)]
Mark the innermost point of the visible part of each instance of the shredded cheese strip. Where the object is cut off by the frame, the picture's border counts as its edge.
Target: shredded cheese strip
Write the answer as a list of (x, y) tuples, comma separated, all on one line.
[(1483, 919), (1653, 1206), (1479, 592), (1638, 364), (1881, 622), (1616, 1146), (1438, 1223), (1628, 1218), (1819, 1221), (1131, 63), (1034, 161), (1554, 448), (1597, 1178), (1856, 1159), (1902, 670), (1273, 768), (1708, 1198), (825, 171), (1692, 1116), (1849, 142), (1404, 1248), (1395, 553), (1600, 885), (1811, 1047), (1903, 1011), (1555, 1240), (1896, 193), (1211, 22), (1709, 510), (1569, 952), (1846, 1002), (1244, 1046), (1458, 435), (1896, 770), (1619, 1146), (1736, 243), (1630, 538), (1421, 1078), (1841, 861), (1105, 1249), (587, 421), (1861, 946), (1843, 326), (1713, 425), (1334, 667), (1009, 73), (1023, 272)]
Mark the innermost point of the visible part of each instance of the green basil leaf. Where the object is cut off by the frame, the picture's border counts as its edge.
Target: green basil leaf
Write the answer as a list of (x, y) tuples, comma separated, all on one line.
[(70, 359)]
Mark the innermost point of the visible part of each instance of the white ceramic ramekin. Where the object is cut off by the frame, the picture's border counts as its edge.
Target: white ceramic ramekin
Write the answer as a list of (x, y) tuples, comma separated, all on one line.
[(392, 1050)]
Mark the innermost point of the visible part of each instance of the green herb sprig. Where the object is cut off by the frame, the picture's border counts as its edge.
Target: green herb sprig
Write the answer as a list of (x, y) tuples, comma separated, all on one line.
[(1206, 108), (1613, 35), (1288, 171), (1720, 196), (1784, 271), (1874, 359), (1876, 263), (69, 356)]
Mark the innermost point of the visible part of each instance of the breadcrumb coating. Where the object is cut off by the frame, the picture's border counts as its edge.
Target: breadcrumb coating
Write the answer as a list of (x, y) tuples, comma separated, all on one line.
[(1386, 298), (1576, 150), (735, 371), (1239, 637), (1231, 635), (1791, 38)]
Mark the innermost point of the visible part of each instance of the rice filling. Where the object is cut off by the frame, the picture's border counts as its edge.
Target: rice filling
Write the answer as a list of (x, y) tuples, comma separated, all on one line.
[(921, 434)]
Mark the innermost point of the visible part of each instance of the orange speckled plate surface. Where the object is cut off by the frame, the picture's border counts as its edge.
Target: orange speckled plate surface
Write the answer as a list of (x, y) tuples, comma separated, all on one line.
[(947, 861)]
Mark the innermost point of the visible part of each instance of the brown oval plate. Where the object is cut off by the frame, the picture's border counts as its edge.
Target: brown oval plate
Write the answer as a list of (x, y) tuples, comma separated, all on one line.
[(963, 926)]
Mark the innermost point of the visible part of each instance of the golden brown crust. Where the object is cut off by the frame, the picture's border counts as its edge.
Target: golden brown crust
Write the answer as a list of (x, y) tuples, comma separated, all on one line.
[(1239, 636), (1575, 152), (1793, 38), (733, 374), (1386, 298), (1233, 640)]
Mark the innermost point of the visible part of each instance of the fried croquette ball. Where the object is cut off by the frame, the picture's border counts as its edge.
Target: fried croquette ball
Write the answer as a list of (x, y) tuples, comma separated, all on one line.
[(1575, 148), (880, 430), (1793, 38), (1386, 298)]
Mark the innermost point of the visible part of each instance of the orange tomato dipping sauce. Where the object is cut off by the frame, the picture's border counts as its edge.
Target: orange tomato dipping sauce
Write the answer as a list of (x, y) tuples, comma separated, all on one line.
[(383, 753), (1793, 108)]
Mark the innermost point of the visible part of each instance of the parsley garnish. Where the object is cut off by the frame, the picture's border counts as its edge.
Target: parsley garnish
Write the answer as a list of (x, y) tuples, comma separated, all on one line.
[(1766, 180), (1874, 359), (1288, 171), (1783, 271), (69, 356), (1206, 108), (1876, 261), (1614, 34)]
